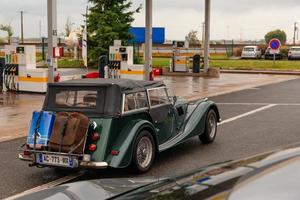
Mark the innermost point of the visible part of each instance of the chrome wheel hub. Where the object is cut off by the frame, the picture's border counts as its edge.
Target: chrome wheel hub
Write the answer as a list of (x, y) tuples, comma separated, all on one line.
[(144, 152), (212, 126)]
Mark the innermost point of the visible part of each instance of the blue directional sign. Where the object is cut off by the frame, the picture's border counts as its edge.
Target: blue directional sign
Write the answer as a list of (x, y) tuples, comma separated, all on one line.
[(138, 33), (275, 44)]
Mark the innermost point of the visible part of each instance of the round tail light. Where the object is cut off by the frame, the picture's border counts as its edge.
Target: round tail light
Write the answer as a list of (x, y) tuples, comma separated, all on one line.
[(95, 136), (93, 147)]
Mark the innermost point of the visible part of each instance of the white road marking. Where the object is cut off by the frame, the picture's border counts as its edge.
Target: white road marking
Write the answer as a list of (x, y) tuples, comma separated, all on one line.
[(260, 104), (46, 186), (247, 114), (76, 175)]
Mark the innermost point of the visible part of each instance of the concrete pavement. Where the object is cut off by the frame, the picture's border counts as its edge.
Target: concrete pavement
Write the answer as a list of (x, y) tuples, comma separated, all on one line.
[(16, 109), (193, 88), (257, 120), (255, 71)]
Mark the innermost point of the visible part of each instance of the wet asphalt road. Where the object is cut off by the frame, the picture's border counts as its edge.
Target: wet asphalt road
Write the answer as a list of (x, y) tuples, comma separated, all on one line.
[(262, 131)]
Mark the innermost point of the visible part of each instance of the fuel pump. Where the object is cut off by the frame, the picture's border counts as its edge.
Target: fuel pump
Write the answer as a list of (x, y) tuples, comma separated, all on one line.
[(20, 72), (10, 71), (121, 63), (180, 63), (2, 65)]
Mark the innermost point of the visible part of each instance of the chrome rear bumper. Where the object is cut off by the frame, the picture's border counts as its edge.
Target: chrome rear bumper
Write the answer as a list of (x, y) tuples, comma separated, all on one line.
[(25, 158), (82, 164), (95, 165)]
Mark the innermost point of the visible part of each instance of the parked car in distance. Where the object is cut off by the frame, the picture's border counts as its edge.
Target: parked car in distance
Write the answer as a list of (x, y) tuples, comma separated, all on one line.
[(100, 123), (294, 53), (269, 55), (251, 52)]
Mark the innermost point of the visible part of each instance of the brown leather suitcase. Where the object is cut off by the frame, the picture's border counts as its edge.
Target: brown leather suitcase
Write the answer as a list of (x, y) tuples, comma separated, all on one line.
[(69, 133)]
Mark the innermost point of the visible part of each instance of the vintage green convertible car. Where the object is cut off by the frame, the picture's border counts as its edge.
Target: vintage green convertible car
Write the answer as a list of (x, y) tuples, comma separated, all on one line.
[(100, 123)]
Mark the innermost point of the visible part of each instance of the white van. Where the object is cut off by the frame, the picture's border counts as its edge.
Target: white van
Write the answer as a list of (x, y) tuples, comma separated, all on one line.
[(294, 53), (251, 52)]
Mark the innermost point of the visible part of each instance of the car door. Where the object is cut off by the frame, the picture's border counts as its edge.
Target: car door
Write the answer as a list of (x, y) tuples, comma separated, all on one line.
[(161, 112)]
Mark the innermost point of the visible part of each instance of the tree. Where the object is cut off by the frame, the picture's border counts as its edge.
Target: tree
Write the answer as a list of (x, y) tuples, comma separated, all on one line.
[(107, 21), (192, 37), (68, 27), (279, 34), (8, 29)]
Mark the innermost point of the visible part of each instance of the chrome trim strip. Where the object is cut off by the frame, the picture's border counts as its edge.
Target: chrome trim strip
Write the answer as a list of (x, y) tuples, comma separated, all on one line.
[(97, 165), (157, 88), (161, 105), (135, 111), (52, 153), (123, 103), (148, 98), (22, 157)]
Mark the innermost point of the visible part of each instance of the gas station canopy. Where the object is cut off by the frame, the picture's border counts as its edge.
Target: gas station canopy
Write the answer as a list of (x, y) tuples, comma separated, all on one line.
[(148, 45), (52, 35)]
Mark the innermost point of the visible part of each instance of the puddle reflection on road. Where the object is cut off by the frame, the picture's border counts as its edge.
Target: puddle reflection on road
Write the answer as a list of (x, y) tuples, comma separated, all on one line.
[(9, 98)]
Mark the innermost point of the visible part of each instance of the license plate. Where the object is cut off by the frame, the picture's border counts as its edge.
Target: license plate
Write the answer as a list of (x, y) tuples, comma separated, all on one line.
[(57, 160)]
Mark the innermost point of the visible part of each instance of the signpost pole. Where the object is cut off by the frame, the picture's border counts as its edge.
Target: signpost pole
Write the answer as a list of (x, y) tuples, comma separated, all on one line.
[(274, 45)]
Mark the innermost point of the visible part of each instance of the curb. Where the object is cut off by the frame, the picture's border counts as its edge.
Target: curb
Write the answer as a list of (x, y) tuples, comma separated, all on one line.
[(271, 72)]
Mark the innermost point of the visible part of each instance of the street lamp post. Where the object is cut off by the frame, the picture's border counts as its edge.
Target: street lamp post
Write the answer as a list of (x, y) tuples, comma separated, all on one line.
[(22, 27), (295, 32), (148, 42), (207, 35), (52, 37)]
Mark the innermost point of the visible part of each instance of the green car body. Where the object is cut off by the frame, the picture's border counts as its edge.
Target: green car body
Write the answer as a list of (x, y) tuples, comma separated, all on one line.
[(120, 133), (170, 122)]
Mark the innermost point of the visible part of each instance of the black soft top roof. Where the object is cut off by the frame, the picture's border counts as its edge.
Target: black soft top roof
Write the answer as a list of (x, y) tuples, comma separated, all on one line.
[(125, 85), (110, 91)]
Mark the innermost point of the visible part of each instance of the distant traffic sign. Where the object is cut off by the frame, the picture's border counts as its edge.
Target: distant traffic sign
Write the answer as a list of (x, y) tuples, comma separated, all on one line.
[(275, 44)]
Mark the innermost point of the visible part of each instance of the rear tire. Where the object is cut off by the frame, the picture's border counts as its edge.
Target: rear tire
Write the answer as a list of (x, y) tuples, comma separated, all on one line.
[(144, 152), (211, 126)]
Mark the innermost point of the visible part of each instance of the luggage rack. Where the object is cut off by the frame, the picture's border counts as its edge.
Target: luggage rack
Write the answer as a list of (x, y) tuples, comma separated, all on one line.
[(30, 151)]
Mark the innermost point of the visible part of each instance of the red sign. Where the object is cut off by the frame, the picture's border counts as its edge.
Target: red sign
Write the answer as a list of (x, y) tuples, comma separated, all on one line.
[(58, 52)]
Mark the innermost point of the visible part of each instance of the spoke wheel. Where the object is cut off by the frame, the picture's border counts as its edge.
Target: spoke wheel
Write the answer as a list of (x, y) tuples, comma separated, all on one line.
[(144, 152), (211, 126)]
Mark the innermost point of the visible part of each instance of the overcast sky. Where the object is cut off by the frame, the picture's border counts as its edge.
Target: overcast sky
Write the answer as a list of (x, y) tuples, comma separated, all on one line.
[(231, 19)]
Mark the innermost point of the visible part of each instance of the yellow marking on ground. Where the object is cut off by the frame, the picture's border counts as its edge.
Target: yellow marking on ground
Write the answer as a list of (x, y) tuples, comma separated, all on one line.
[(132, 72), (33, 79)]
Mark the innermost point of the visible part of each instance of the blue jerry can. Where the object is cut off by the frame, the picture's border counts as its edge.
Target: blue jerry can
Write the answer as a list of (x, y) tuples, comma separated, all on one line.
[(44, 130)]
